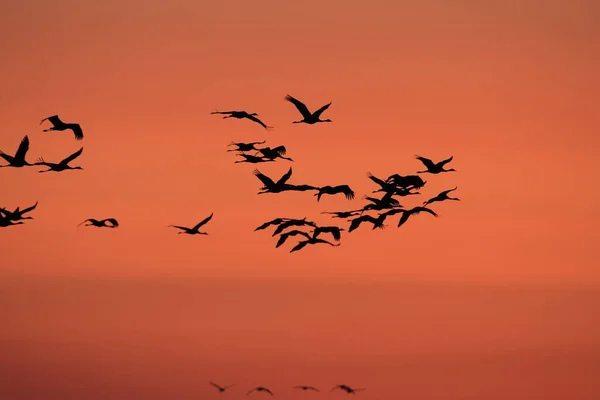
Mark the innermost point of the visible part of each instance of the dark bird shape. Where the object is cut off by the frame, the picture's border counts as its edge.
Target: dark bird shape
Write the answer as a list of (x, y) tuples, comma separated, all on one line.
[(103, 223), (61, 166), (407, 182), (19, 158), (385, 186), (332, 190), (335, 231), (312, 237), (17, 214), (273, 153), (387, 201), (306, 388), (269, 186), (244, 146), (284, 236), (276, 221), (194, 230), (341, 214), (376, 221), (413, 211), (221, 388), (241, 115), (248, 158), (311, 240), (308, 117), (347, 389), (260, 389), (58, 125), (441, 197), (5, 222), (293, 222), (434, 168)]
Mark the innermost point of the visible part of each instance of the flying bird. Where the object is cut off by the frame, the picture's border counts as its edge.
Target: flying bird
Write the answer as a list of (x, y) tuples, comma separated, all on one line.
[(341, 214), (434, 168), (221, 388), (376, 221), (241, 115), (276, 221), (6, 222), (61, 166), (387, 201), (413, 211), (407, 182), (58, 125), (347, 388), (292, 222), (269, 186), (248, 158), (308, 117), (103, 223), (19, 158), (306, 388), (260, 389), (194, 230), (17, 214), (441, 197), (311, 240), (244, 146), (332, 190), (335, 231), (273, 153)]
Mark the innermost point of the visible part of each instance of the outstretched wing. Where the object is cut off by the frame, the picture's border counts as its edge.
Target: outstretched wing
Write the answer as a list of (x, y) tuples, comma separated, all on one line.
[(263, 178), (355, 223), (224, 112), (253, 118), (53, 119), (204, 221), (77, 131), (349, 193), (9, 159), (299, 105), (285, 236), (426, 161), (376, 180), (281, 150), (30, 208), (445, 192), (276, 221), (23, 148), (317, 113), (183, 228), (215, 385), (71, 157), (285, 177), (299, 246), (112, 221), (446, 161)]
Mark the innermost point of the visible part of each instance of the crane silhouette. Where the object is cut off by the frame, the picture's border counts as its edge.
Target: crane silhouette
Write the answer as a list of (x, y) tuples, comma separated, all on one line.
[(59, 125), (103, 223), (18, 160), (307, 116), (341, 214), (407, 182), (442, 196), (306, 388), (17, 214), (221, 389), (269, 186), (260, 389), (244, 146), (248, 158), (194, 230), (434, 168), (273, 153), (413, 211), (61, 166), (310, 239), (347, 389), (376, 221), (332, 190), (293, 222), (241, 115)]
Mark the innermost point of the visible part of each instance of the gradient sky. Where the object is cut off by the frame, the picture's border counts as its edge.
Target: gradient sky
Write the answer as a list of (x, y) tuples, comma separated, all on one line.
[(494, 299)]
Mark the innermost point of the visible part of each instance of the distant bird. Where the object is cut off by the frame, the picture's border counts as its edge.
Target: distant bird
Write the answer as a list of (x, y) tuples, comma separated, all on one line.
[(276, 221), (281, 185), (260, 389), (311, 240), (17, 214), (347, 389), (245, 146), (332, 190), (441, 197), (58, 125), (341, 214), (19, 159), (61, 166), (221, 388), (376, 221), (293, 222), (335, 231), (434, 168), (407, 182), (413, 211), (6, 222), (248, 158), (308, 117), (387, 201), (194, 230), (306, 388), (284, 236), (312, 237), (241, 115), (273, 153), (103, 223)]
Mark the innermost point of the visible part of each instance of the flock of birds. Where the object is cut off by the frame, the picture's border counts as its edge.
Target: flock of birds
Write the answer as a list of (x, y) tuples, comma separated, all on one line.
[(345, 388), (385, 206)]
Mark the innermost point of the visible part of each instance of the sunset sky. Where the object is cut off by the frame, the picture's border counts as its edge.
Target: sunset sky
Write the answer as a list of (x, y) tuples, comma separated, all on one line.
[(495, 299)]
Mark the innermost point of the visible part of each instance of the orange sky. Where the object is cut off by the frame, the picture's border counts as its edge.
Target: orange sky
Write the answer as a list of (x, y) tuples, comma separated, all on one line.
[(494, 299)]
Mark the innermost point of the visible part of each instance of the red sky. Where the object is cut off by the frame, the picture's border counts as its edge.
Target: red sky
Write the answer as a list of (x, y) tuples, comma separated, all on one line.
[(494, 299)]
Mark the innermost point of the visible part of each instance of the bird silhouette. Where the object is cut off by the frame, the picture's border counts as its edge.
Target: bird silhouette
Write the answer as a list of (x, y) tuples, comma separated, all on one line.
[(332, 190), (58, 125), (260, 389), (306, 388), (6, 222), (19, 158), (312, 236), (407, 182), (390, 187), (284, 236), (413, 211), (276, 221), (221, 388), (281, 185), (194, 230), (434, 168), (311, 240), (335, 231), (347, 389), (241, 115), (387, 201), (341, 214), (308, 117), (376, 221), (273, 153), (441, 197), (17, 214), (103, 223), (248, 158), (292, 222), (61, 166), (244, 146)]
